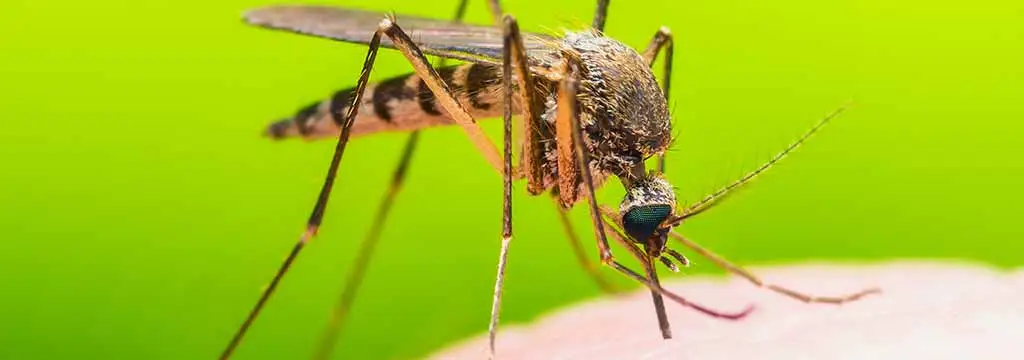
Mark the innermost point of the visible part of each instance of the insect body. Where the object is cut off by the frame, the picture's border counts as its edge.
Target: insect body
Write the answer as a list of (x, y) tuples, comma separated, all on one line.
[(622, 109), (584, 98)]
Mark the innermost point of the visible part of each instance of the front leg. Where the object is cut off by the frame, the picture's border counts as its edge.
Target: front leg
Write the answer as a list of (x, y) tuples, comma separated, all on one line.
[(567, 120), (513, 56), (662, 40), (567, 114)]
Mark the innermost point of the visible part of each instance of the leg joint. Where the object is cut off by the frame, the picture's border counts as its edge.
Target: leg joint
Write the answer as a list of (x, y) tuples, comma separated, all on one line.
[(665, 32), (386, 24)]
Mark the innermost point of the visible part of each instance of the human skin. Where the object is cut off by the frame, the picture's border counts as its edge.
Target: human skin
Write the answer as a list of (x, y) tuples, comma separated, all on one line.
[(927, 310)]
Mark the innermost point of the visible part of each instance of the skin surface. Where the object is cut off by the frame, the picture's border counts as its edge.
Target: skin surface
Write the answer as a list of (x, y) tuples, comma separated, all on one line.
[(928, 310)]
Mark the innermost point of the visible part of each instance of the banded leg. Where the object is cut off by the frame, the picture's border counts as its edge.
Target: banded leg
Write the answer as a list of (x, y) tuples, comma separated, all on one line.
[(316, 217), (662, 40), (567, 113), (532, 109), (344, 304), (807, 298), (513, 57), (581, 256), (651, 271), (567, 119)]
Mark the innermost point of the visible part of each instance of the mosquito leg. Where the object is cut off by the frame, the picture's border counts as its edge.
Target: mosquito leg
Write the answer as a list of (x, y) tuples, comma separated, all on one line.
[(807, 298), (600, 15), (567, 113), (444, 96), (581, 256), (496, 11), (566, 151), (313, 224), (441, 91), (460, 13), (531, 106), (344, 304), (662, 40), (508, 53), (515, 58), (659, 302)]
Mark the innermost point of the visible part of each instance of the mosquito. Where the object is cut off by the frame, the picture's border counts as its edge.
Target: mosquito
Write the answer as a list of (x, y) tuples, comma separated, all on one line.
[(591, 109)]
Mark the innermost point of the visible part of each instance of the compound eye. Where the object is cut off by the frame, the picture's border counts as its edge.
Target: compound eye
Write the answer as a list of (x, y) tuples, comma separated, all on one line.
[(642, 221)]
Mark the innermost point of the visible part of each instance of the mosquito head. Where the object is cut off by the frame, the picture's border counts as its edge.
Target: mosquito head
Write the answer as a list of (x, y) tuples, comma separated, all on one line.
[(649, 201)]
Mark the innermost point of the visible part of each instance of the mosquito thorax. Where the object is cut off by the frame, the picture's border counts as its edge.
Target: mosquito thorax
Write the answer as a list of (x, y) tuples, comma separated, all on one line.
[(649, 201), (621, 106)]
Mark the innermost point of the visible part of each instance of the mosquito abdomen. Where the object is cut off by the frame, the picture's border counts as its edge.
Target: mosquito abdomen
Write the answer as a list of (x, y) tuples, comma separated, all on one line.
[(399, 104)]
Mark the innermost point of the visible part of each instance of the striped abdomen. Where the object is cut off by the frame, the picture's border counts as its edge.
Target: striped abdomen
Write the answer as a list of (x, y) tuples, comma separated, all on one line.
[(402, 104)]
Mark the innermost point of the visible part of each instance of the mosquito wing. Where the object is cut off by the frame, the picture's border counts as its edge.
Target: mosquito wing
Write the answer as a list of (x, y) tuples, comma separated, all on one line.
[(435, 37)]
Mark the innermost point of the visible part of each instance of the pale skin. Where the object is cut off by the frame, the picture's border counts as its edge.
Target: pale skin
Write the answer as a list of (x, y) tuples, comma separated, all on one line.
[(931, 310)]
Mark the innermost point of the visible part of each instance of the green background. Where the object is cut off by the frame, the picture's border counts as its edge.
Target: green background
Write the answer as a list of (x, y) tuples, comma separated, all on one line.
[(141, 212)]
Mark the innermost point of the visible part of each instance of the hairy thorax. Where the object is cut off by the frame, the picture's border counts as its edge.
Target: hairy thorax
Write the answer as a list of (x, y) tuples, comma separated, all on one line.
[(622, 110)]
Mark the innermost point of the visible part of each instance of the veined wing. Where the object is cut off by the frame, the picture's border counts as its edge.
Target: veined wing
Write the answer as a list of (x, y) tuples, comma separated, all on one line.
[(435, 37)]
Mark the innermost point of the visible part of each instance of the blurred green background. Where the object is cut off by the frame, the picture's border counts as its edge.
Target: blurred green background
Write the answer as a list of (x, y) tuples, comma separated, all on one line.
[(141, 212)]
